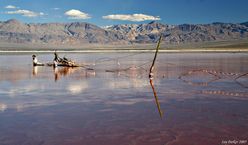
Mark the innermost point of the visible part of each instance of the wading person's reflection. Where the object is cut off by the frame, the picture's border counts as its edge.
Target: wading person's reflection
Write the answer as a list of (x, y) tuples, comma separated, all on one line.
[(56, 74), (63, 71), (35, 70)]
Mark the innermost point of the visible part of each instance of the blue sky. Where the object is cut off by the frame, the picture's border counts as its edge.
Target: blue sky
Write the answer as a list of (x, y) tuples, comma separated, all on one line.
[(109, 12)]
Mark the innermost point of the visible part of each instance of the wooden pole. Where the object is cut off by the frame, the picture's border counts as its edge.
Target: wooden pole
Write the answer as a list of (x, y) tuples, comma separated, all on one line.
[(154, 59), (151, 78)]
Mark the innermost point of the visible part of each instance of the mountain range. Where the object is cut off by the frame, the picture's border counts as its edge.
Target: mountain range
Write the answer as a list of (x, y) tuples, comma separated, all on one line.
[(81, 33)]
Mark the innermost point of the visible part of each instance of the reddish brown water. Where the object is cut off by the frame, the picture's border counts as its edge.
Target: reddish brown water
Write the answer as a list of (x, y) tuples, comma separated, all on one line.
[(203, 100)]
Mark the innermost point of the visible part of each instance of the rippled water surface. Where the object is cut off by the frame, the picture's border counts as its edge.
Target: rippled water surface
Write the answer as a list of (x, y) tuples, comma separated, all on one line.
[(203, 99)]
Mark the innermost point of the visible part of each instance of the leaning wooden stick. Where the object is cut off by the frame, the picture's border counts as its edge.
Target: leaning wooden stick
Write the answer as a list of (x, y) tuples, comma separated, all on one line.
[(154, 59), (151, 79)]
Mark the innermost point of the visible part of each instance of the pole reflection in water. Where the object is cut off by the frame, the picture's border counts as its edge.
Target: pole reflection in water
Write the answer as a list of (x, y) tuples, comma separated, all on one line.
[(156, 98)]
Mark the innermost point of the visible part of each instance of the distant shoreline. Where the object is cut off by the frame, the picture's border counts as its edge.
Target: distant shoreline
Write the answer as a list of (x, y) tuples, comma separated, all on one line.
[(132, 51), (235, 46)]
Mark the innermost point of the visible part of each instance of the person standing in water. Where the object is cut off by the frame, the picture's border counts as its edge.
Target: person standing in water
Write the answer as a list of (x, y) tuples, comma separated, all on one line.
[(35, 61), (56, 59)]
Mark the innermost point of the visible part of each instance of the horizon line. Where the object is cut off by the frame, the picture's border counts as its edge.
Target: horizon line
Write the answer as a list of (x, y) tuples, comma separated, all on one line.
[(144, 22)]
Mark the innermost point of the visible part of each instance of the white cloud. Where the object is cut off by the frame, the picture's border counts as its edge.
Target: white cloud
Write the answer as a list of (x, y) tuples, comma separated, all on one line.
[(76, 14), (11, 7), (25, 13), (133, 17)]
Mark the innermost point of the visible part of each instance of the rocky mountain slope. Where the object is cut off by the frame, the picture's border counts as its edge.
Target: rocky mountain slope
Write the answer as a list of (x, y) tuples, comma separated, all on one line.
[(147, 33), (13, 31), (80, 33)]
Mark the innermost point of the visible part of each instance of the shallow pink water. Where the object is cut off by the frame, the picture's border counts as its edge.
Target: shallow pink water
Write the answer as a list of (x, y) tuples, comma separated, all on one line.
[(200, 96)]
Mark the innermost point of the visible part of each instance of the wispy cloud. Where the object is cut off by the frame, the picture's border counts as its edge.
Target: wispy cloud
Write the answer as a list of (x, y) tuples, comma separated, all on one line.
[(55, 9), (11, 7), (133, 17), (26, 13), (76, 14)]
